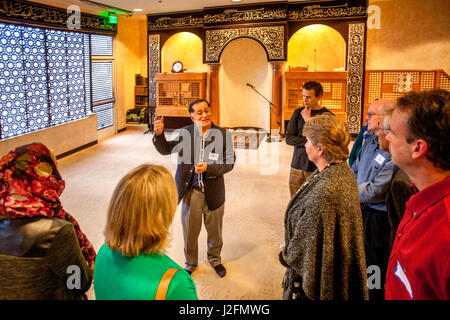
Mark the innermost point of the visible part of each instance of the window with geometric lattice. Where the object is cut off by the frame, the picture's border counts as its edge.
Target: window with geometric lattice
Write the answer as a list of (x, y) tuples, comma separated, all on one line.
[(42, 78)]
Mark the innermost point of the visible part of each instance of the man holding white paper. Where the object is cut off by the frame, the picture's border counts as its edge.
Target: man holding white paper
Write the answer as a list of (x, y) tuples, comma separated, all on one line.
[(205, 154)]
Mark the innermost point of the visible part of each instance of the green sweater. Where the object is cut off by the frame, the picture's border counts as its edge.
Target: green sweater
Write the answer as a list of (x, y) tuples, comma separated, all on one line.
[(118, 277)]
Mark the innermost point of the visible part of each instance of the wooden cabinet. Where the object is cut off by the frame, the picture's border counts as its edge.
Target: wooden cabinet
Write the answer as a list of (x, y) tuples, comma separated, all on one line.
[(175, 91), (334, 91), (141, 96)]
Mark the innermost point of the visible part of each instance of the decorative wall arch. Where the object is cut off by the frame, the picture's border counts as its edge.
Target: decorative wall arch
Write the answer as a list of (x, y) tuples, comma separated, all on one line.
[(320, 46), (218, 26), (339, 26), (271, 38), (173, 49)]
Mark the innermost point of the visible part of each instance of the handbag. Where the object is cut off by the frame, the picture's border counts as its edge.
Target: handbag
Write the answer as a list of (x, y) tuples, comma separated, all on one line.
[(161, 292)]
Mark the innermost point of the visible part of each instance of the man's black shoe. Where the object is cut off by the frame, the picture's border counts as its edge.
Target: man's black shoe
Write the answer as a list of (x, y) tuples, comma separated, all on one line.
[(220, 270)]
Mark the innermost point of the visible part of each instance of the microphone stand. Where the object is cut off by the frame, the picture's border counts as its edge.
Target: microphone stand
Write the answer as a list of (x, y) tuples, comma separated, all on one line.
[(269, 135)]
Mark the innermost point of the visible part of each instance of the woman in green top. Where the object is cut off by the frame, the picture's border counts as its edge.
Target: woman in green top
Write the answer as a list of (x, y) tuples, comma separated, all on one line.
[(132, 262)]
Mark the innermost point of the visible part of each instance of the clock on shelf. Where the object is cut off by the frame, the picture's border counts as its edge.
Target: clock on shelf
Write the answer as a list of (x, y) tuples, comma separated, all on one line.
[(177, 67)]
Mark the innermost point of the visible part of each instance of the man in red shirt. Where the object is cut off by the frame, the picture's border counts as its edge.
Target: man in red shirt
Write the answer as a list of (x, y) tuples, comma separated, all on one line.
[(419, 265)]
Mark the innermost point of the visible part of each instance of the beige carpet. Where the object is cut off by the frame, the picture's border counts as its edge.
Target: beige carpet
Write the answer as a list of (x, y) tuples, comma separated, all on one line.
[(256, 196)]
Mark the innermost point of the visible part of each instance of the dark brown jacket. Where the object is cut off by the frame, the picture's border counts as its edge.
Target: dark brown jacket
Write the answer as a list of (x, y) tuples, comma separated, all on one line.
[(40, 258), (398, 194), (214, 182)]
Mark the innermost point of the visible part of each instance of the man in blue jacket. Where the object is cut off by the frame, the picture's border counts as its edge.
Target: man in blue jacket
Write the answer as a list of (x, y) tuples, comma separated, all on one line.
[(373, 170), (205, 154)]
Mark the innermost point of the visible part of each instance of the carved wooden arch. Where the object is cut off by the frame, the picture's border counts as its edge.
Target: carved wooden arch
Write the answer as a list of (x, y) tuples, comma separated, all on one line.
[(272, 38), (244, 37)]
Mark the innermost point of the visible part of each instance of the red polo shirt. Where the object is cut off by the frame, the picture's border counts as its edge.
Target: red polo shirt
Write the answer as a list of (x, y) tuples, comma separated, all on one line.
[(419, 266)]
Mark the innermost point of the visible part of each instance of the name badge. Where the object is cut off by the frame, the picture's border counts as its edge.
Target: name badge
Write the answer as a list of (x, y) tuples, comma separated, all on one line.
[(380, 159), (213, 156), (402, 277)]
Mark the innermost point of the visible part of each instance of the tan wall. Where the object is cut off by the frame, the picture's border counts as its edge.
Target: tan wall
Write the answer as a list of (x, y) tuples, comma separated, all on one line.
[(414, 34), (330, 48), (131, 59), (185, 47), (239, 104), (60, 139)]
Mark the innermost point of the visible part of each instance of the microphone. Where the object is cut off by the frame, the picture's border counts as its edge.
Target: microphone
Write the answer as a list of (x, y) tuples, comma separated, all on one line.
[(250, 85)]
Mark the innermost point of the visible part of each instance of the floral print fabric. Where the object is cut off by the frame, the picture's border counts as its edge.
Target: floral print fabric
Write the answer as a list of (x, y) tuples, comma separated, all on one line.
[(30, 186)]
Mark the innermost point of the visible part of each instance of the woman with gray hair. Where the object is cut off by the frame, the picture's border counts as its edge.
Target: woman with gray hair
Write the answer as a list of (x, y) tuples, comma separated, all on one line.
[(324, 249)]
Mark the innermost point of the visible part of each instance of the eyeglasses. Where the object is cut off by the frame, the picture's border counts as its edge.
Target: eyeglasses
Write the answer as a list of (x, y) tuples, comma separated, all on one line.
[(385, 131), (370, 114)]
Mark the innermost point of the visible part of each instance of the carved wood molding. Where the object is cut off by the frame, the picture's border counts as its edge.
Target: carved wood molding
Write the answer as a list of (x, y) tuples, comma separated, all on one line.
[(271, 38), (37, 14), (259, 13), (154, 66), (327, 10), (355, 73)]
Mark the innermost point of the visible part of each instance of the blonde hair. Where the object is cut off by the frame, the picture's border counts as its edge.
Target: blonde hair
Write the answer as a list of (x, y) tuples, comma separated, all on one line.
[(331, 134), (141, 211)]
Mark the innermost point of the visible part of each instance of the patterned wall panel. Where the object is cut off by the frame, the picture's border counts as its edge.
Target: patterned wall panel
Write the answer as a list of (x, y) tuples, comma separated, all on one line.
[(271, 38), (12, 91), (41, 78), (355, 69), (154, 67), (35, 77), (445, 82), (393, 84), (75, 81), (57, 75)]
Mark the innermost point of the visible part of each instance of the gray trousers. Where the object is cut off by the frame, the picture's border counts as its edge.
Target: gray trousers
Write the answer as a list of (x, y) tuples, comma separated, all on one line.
[(193, 209), (296, 179)]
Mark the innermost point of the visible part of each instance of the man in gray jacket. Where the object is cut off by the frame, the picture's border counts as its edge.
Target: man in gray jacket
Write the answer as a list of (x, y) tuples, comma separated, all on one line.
[(373, 169)]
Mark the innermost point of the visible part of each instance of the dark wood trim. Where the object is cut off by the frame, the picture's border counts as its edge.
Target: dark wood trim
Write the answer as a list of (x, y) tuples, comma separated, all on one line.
[(68, 153), (122, 130), (40, 15)]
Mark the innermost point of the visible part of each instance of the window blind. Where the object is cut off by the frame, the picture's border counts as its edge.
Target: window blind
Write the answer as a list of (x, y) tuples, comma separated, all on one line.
[(102, 81)]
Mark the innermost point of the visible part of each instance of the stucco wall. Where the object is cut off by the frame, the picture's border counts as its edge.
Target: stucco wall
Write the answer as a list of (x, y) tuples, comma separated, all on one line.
[(185, 47), (244, 61), (131, 59), (60, 139), (317, 46), (414, 34)]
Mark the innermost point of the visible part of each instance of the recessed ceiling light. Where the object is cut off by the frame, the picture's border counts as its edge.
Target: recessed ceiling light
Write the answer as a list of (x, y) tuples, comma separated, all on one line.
[(236, 0), (137, 9)]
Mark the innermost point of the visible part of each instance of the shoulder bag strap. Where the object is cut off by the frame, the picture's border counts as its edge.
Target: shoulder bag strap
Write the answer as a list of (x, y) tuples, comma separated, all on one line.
[(164, 284)]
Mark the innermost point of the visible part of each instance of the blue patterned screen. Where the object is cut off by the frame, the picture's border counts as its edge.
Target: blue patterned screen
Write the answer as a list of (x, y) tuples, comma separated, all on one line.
[(42, 78)]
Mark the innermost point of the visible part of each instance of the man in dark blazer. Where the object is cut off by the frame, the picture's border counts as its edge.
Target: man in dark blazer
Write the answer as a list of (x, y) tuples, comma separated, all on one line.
[(205, 154)]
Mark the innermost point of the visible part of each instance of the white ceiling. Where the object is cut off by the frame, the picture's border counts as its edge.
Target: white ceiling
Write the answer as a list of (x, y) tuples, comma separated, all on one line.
[(150, 6)]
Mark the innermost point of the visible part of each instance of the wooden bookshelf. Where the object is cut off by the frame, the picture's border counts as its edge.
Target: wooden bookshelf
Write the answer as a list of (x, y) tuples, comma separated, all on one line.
[(141, 96), (334, 91)]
